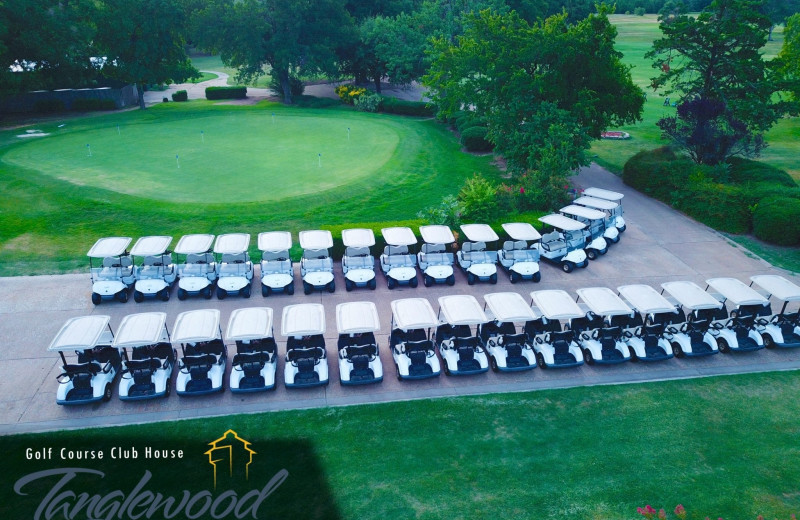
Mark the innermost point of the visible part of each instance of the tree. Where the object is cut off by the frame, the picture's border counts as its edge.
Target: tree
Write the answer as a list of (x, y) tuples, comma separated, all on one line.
[(714, 63), (291, 37), (778, 11), (144, 42), (391, 48), (545, 89), (789, 59)]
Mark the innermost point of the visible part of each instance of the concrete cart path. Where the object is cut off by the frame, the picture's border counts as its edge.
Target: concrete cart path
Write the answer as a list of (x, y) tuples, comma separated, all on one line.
[(659, 245)]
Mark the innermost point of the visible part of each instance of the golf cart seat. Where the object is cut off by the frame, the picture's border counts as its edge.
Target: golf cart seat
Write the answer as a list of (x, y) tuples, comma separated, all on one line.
[(400, 261), (318, 264), (305, 359), (742, 325), (395, 250), (561, 342), (401, 336), (650, 335), (251, 364), (417, 352), (366, 338), (437, 258), (89, 368), (81, 376), (198, 367), (696, 331), (142, 373), (432, 248), (787, 323), (360, 356), (359, 262), (541, 326), (466, 353), (608, 343), (493, 328), (508, 246), (276, 267), (275, 256), (514, 343), (553, 241)]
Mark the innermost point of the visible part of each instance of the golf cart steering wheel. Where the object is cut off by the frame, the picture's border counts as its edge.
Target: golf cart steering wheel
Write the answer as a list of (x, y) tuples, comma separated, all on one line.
[(64, 378)]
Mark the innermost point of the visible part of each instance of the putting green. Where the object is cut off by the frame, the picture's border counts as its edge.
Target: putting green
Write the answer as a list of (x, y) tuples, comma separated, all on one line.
[(234, 157)]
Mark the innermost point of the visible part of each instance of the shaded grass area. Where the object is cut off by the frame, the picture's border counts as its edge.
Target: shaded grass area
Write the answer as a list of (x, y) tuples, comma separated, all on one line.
[(204, 76), (723, 447), (785, 257), (47, 224)]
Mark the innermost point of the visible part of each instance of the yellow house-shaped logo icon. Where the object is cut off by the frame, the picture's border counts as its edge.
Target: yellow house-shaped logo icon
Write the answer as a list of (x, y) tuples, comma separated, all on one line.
[(231, 456)]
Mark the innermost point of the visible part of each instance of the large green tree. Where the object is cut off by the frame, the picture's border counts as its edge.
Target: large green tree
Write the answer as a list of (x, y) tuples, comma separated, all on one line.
[(713, 63), (282, 37), (545, 89), (144, 42), (789, 58)]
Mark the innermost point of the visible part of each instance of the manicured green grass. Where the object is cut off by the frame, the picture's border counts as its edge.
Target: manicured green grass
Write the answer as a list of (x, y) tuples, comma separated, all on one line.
[(722, 447), (56, 204), (204, 76), (785, 257)]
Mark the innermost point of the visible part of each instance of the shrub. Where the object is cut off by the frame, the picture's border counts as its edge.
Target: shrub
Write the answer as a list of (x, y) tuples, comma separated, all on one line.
[(180, 95), (165, 100), (777, 220), (478, 200), (474, 139), (639, 11), (446, 213), (743, 171), (296, 86), (369, 102), (90, 105), (48, 106), (349, 93), (720, 206), (402, 107), (453, 117), (213, 93)]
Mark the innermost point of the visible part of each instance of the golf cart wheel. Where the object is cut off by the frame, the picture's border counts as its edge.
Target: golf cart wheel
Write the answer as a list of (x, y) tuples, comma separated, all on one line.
[(567, 267), (372, 284), (587, 356), (537, 277), (96, 298), (493, 363), (603, 251), (677, 351), (164, 294), (246, 291), (512, 277), (207, 293), (445, 368), (623, 228), (397, 368), (290, 289), (591, 254), (615, 240), (264, 290), (221, 293), (168, 388), (348, 285), (413, 282), (723, 346), (493, 279), (634, 357), (307, 288), (182, 294), (391, 283), (451, 280), (427, 281), (331, 286), (138, 296), (540, 360), (470, 278), (122, 296), (768, 341), (107, 393)]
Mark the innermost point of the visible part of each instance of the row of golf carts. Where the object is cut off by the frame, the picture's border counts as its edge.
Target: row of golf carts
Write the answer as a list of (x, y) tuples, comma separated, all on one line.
[(579, 232), (506, 333)]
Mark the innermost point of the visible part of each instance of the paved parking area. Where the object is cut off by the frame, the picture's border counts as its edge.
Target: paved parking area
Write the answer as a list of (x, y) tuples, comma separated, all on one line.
[(659, 245)]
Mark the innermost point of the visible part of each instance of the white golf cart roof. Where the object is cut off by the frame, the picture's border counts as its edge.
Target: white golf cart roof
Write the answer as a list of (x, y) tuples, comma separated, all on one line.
[(521, 231), (138, 330), (232, 243), (81, 333), (509, 307), (413, 313), (461, 309), (603, 302), (250, 323), (197, 325), (562, 222), (600, 193), (596, 203), (151, 246), (557, 304), (582, 211), (479, 233), (303, 319), (358, 237), (437, 234), (736, 291), (194, 244), (691, 296), (316, 239), (399, 236), (778, 286), (645, 299), (357, 317), (274, 241), (109, 246)]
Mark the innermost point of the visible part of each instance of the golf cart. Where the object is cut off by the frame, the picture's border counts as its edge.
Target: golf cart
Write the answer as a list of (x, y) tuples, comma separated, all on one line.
[(358, 264), (256, 361), (461, 350), (607, 344), (202, 366), (610, 209), (234, 268), (114, 274), (306, 359), (316, 266), (157, 273), (434, 260), (277, 271), (509, 350), (412, 348), (518, 257), (649, 341), (613, 196), (147, 372), (397, 264), (555, 348), (473, 258), (564, 245), (89, 379), (359, 356), (782, 329), (701, 310), (198, 272), (739, 333), (596, 231)]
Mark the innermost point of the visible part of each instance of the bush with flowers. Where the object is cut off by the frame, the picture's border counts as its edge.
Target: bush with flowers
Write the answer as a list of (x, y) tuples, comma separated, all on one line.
[(349, 93)]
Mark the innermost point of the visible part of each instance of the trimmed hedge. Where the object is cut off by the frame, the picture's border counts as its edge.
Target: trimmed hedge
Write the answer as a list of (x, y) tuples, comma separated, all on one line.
[(213, 93), (49, 106), (402, 107), (777, 220), (474, 139), (180, 95), (92, 105)]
